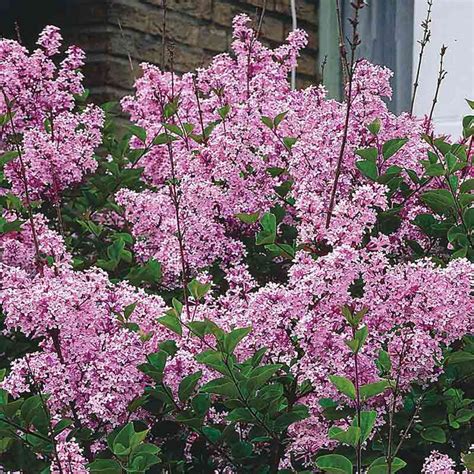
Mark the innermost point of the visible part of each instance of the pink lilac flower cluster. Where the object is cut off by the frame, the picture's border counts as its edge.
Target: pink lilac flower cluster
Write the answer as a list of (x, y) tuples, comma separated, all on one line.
[(70, 458), (214, 158), (438, 463), (55, 143), (88, 357)]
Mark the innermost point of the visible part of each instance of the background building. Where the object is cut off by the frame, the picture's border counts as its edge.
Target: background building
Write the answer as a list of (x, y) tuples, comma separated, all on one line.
[(119, 34)]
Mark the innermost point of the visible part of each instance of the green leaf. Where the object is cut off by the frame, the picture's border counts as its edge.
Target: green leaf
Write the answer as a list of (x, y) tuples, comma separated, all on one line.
[(470, 103), (212, 359), (171, 321), (384, 361), (374, 127), (289, 142), (129, 309), (139, 132), (170, 108), (158, 360), (370, 390), (127, 439), (334, 464), (232, 339), (455, 232), (177, 306), (267, 121), (353, 318), (351, 436), (212, 434), (459, 357), (461, 253), (61, 425), (268, 233), (467, 185), (451, 161), (201, 403), (369, 154), (163, 138), (149, 273), (367, 421), (434, 434), (297, 413), (171, 127), (465, 199), (187, 386), (115, 250), (279, 118), (10, 226), (275, 171), (224, 111), (468, 460), (105, 466), (242, 449), (344, 385), (143, 457), (281, 250), (221, 386), (201, 328), (32, 410), (413, 176), (197, 289), (261, 375), (359, 339), (368, 169), (208, 129), (380, 466), (7, 157), (435, 169), (391, 147), (11, 409), (248, 218), (439, 200), (464, 415), (241, 415), (169, 347), (468, 217)]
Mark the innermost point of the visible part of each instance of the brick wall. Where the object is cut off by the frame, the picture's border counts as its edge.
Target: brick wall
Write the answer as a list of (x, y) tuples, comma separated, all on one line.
[(119, 34)]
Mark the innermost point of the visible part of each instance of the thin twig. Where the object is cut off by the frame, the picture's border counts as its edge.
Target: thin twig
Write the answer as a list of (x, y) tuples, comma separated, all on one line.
[(423, 42), (342, 46), (357, 6), (126, 46), (24, 180), (37, 391), (260, 20), (441, 75), (198, 101), (358, 404), (251, 43), (391, 413), (163, 36)]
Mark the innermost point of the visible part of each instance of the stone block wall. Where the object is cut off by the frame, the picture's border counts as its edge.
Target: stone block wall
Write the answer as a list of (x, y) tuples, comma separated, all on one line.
[(119, 34)]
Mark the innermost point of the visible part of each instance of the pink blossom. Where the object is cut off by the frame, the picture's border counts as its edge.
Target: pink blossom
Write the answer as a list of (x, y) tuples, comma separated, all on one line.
[(438, 463)]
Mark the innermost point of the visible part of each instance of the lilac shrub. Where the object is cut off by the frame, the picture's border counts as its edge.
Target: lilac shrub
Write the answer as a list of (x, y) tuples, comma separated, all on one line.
[(203, 244)]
